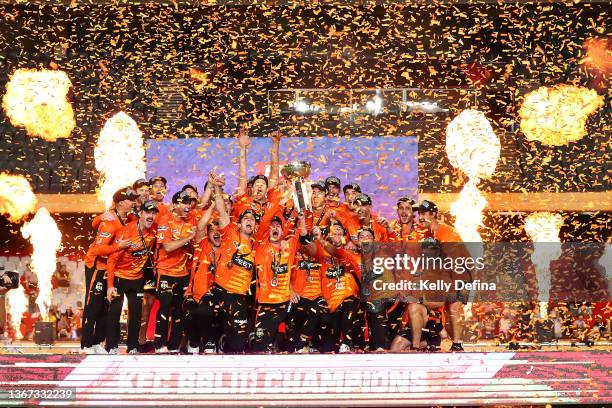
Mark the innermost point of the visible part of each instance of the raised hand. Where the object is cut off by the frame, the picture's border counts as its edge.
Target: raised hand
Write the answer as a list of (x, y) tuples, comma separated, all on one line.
[(244, 140)]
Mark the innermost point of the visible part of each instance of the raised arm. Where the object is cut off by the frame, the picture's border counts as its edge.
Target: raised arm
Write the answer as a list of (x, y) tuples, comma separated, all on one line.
[(224, 218), (203, 223), (244, 142), (274, 157)]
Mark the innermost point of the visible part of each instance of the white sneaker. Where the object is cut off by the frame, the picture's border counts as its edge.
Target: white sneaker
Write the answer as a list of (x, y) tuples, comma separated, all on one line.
[(175, 351), (193, 350), (98, 349), (133, 351), (161, 350), (303, 350), (344, 348), (209, 351), (113, 351)]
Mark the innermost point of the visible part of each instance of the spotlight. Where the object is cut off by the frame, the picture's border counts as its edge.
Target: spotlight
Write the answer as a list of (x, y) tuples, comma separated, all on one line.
[(425, 107), (374, 105)]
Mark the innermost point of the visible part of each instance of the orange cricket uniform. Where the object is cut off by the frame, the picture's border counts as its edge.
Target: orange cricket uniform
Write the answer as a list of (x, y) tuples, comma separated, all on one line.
[(274, 287), (205, 260), (263, 212), (380, 232), (103, 244), (128, 262), (446, 233), (319, 217), (337, 280), (306, 276), (171, 229), (417, 233), (234, 271)]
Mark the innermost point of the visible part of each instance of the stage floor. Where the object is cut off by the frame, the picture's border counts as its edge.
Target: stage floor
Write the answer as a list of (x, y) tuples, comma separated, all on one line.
[(387, 379)]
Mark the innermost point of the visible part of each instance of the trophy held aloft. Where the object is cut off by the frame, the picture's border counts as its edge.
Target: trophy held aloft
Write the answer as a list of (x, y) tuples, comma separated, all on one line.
[(297, 173)]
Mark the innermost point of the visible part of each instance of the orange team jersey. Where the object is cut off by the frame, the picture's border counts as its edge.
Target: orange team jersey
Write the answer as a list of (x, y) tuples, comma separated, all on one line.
[(337, 280), (343, 212), (195, 215), (320, 218), (103, 244), (128, 262), (171, 229), (417, 233), (380, 232), (446, 233), (234, 271), (263, 212), (274, 268), (205, 259), (306, 276)]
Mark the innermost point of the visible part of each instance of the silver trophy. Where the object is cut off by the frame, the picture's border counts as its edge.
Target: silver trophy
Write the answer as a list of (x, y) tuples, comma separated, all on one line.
[(297, 172)]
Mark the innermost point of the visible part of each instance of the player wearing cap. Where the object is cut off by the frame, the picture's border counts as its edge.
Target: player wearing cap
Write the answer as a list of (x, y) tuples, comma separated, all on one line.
[(205, 260), (274, 261), (234, 271), (95, 307), (264, 196), (404, 227), (125, 275), (175, 234), (363, 209), (428, 212), (158, 191)]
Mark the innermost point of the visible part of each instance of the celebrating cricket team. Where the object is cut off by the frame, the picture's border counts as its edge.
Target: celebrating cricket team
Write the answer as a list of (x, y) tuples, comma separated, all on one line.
[(255, 271)]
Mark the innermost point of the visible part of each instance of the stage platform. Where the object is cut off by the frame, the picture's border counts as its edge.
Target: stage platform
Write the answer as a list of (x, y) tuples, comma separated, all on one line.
[(350, 380)]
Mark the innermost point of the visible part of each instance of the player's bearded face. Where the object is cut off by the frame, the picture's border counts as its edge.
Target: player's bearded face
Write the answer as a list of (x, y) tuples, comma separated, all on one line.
[(184, 208), (259, 190), (404, 212), (334, 191), (147, 218), (363, 212), (276, 231), (143, 193), (349, 196)]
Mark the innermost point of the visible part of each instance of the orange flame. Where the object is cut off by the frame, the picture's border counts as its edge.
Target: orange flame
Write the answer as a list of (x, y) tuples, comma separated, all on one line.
[(473, 147), (17, 304), (598, 55), (16, 197), (119, 155), (46, 239), (36, 100), (557, 116)]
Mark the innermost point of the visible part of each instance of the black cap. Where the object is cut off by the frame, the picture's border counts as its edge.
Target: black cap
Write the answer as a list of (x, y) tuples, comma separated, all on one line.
[(152, 180), (186, 186), (182, 197), (429, 206), (333, 181), (362, 199), (278, 219), (258, 177), (140, 183), (353, 186), (430, 243), (149, 206), (409, 201), (249, 211), (320, 185), (124, 193)]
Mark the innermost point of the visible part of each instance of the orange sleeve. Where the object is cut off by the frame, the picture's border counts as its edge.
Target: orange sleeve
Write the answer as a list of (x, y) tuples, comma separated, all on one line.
[(102, 245), (347, 259), (96, 221)]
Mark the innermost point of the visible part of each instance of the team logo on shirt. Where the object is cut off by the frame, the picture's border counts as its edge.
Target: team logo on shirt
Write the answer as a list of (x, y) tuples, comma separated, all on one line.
[(104, 234), (99, 287), (162, 227)]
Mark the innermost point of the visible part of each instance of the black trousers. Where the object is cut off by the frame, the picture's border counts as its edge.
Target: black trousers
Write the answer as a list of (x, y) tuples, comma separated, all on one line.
[(268, 318), (95, 309), (170, 291), (304, 321), (395, 314), (376, 316), (343, 321), (201, 322), (133, 290), (231, 311)]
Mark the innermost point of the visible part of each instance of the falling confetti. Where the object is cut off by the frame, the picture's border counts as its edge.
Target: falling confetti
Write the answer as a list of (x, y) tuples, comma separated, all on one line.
[(46, 239), (16, 197), (37, 101), (119, 155)]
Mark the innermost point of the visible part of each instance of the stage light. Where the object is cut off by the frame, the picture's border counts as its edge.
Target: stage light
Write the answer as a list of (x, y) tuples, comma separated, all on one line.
[(301, 106), (375, 104), (424, 106)]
